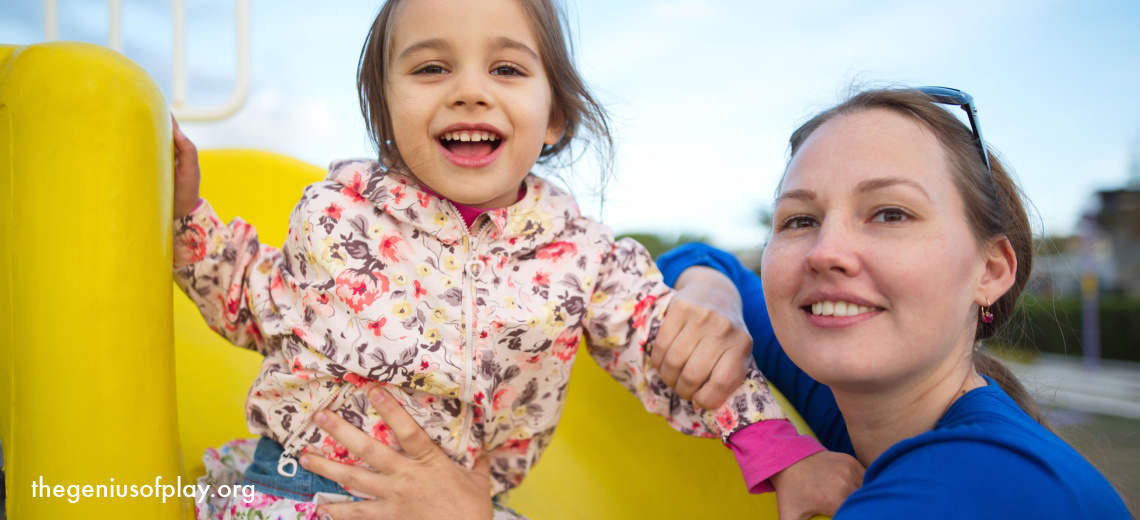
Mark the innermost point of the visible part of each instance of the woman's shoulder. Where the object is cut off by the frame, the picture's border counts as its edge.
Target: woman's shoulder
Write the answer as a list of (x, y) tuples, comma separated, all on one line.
[(986, 459)]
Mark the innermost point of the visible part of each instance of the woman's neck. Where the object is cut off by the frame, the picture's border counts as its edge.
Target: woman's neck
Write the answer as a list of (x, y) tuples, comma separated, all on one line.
[(885, 415)]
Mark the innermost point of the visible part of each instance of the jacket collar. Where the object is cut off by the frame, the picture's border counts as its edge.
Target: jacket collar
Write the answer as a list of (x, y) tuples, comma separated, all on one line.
[(535, 220)]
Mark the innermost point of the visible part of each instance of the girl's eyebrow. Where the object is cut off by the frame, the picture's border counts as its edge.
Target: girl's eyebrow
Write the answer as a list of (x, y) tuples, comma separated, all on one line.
[(440, 44), (433, 44), (503, 42)]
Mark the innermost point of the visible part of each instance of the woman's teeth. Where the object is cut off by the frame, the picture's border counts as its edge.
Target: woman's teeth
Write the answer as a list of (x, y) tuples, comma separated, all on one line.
[(838, 309), (469, 136)]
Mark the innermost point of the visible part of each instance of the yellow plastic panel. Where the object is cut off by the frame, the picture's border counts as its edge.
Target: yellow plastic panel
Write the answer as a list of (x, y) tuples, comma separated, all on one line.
[(214, 375), (89, 390), (610, 459)]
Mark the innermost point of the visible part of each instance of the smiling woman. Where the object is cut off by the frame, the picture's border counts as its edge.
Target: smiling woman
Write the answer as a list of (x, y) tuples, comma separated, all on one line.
[(896, 250)]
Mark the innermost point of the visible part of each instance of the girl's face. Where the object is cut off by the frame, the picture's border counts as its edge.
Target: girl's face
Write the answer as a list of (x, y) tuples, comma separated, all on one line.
[(871, 273), (469, 99)]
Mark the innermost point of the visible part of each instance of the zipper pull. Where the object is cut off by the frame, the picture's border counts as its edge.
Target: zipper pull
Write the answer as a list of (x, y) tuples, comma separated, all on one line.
[(286, 465)]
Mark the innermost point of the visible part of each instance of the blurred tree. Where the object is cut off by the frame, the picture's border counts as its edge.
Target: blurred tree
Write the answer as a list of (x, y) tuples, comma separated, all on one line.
[(658, 244)]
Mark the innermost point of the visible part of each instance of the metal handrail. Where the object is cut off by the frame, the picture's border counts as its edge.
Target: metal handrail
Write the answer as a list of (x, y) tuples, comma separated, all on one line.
[(178, 103)]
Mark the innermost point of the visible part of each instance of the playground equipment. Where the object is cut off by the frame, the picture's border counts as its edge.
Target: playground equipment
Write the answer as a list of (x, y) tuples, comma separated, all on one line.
[(107, 372)]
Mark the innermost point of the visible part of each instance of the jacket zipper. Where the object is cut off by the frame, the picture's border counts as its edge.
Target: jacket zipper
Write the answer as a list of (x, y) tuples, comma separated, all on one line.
[(468, 319), (287, 462)]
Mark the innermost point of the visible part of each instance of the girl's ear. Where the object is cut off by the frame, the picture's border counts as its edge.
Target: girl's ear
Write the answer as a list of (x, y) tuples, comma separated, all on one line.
[(999, 271), (555, 127)]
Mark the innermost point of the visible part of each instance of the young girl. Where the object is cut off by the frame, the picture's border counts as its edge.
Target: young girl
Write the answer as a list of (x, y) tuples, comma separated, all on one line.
[(444, 269)]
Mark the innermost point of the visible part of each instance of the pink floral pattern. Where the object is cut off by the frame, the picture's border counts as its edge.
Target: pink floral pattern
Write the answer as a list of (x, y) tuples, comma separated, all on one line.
[(380, 281)]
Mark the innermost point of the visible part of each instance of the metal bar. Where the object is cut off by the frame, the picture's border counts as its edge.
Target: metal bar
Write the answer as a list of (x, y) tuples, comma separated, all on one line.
[(51, 20), (115, 25)]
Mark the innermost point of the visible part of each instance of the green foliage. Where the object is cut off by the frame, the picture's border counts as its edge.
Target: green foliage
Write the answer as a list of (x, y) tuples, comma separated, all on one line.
[(659, 244), (1054, 326)]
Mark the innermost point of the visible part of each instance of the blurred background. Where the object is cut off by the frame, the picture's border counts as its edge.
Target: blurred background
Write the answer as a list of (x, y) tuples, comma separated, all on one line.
[(704, 95)]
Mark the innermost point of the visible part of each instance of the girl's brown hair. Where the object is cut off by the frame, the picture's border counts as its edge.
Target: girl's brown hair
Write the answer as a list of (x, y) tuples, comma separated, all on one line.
[(571, 98), (993, 202)]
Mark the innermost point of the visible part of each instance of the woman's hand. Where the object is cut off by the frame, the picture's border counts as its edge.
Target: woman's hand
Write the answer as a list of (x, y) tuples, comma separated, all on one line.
[(187, 175), (703, 347), (816, 485), (421, 483)]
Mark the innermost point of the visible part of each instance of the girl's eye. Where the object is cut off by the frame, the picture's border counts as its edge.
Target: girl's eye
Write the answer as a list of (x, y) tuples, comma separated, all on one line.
[(890, 215), (430, 70), (506, 70), (798, 222)]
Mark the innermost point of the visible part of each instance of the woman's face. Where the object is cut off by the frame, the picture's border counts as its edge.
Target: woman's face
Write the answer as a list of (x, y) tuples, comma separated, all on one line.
[(871, 272)]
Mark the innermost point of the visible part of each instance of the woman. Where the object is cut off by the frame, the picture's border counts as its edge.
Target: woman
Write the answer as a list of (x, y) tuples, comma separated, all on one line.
[(896, 249)]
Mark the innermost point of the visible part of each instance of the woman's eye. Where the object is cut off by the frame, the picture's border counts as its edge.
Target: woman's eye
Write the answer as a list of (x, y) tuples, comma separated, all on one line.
[(890, 215), (798, 222), (506, 70)]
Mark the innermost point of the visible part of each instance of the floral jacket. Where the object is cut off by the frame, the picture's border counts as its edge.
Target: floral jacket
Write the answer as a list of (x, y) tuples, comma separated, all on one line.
[(379, 281)]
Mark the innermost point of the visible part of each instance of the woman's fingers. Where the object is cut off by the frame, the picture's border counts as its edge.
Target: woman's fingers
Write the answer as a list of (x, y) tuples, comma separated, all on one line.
[(413, 439), (368, 510), (351, 477), (368, 449)]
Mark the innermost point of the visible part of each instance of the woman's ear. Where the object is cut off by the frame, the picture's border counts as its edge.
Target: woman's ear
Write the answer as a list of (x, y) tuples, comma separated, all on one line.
[(555, 127), (999, 271)]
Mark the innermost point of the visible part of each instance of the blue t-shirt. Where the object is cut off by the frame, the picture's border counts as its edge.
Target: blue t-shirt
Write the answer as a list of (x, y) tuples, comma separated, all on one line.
[(985, 458)]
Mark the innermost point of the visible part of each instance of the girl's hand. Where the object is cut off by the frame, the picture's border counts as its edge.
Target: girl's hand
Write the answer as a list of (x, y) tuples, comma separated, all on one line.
[(703, 347), (421, 483), (186, 173), (816, 485)]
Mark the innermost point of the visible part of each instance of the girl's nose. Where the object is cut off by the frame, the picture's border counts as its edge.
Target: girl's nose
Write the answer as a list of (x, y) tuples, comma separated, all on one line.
[(834, 251), (470, 90)]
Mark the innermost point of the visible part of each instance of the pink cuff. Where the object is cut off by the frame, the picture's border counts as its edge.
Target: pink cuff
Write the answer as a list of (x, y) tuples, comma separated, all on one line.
[(769, 447)]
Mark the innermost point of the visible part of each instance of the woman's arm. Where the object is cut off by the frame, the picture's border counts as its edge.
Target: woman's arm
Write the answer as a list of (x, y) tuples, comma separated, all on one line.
[(812, 399)]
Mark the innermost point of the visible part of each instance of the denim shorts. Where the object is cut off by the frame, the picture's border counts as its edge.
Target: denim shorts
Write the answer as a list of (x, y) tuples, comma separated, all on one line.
[(262, 474)]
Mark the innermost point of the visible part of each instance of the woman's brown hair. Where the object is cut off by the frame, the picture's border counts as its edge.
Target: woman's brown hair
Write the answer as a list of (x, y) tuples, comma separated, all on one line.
[(584, 117), (994, 207)]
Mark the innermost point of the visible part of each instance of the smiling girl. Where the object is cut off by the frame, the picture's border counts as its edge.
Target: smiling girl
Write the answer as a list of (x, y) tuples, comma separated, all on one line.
[(447, 270)]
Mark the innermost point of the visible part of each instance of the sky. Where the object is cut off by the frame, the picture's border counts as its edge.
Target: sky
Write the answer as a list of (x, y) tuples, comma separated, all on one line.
[(703, 94)]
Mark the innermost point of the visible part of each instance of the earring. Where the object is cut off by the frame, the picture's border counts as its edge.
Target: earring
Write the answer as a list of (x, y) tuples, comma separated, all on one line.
[(987, 316)]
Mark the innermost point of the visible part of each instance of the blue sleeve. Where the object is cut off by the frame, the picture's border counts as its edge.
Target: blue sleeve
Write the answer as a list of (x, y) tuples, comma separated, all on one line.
[(814, 401)]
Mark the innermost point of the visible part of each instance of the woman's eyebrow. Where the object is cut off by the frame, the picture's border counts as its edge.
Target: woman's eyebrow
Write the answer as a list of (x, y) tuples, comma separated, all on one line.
[(884, 182), (800, 194), (503, 42), (432, 44)]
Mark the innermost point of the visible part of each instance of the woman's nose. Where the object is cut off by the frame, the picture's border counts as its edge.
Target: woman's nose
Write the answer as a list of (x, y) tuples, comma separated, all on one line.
[(470, 90), (834, 251)]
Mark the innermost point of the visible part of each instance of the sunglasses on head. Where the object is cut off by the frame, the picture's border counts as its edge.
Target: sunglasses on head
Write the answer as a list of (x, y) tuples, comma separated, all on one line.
[(953, 96)]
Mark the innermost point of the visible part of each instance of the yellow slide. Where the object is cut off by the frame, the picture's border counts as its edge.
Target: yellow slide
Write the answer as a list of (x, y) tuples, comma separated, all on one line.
[(108, 372)]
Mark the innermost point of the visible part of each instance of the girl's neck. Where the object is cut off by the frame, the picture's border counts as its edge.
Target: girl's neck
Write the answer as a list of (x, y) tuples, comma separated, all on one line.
[(882, 417)]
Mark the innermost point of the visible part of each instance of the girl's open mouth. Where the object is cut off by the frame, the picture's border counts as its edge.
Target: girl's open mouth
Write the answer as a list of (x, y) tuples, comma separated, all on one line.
[(470, 143)]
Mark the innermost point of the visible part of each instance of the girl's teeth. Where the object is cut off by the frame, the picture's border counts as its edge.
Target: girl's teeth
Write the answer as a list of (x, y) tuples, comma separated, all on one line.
[(470, 136), (828, 309)]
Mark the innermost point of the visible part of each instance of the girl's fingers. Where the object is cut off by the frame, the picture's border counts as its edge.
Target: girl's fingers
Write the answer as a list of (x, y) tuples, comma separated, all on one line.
[(370, 450), (415, 441), (352, 477), (726, 377)]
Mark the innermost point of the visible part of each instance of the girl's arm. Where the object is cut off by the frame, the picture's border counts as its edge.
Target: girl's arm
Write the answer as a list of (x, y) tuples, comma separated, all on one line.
[(622, 320), (234, 280), (813, 400)]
